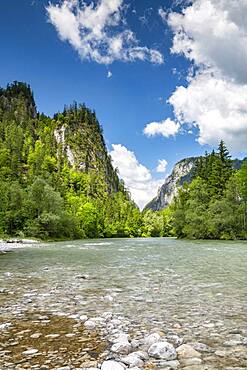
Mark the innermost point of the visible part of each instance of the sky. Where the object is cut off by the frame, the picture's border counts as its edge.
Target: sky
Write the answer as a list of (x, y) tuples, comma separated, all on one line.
[(166, 78)]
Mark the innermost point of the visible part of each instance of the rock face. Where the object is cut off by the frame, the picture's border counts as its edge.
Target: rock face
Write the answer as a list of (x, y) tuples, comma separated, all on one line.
[(181, 173)]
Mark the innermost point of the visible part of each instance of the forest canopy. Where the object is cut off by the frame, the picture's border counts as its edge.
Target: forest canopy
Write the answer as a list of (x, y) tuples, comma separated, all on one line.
[(57, 181)]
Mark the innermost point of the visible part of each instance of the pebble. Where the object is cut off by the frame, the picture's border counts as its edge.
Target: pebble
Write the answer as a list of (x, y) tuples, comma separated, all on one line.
[(112, 365), (162, 350), (151, 339), (30, 352), (132, 359), (90, 324), (122, 347), (83, 318), (35, 335), (187, 351), (5, 326)]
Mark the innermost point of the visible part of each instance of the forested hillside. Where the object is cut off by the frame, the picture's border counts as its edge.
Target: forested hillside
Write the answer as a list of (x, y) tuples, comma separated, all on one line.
[(213, 206), (56, 177), (57, 182)]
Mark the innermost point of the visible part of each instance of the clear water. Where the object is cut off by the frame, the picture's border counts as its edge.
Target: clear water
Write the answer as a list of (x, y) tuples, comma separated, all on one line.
[(155, 283)]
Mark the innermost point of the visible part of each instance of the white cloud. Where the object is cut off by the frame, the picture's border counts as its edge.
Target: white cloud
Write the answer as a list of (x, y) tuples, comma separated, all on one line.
[(217, 107), (109, 74), (212, 34), (138, 179), (98, 32), (165, 128), (161, 168)]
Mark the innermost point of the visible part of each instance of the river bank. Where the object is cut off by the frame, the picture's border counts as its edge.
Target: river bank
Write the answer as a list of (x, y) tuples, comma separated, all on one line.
[(6, 245), (77, 342)]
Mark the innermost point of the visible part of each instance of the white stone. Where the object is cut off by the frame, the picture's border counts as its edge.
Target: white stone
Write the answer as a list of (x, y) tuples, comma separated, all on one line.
[(83, 318), (175, 340), (90, 325), (52, 336), (132, 360), (143, 355), (162, 350), (121, 337), (112, 365), (35, 335), (6, 325), (116, 322), (186, 351), (30, 351), (122, 348), (151, 339)]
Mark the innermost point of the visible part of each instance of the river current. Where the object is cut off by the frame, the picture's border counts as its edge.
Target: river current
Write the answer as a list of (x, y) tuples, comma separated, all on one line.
[(197, 287)]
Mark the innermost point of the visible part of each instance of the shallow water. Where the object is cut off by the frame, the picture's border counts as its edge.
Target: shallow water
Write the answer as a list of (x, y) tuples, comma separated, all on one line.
[(198, 287)]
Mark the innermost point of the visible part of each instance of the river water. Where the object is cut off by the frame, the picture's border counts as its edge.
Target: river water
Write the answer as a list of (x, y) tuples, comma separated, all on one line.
[(197, 287)]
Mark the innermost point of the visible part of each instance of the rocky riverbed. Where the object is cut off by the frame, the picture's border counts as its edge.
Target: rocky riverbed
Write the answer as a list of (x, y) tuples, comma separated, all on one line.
[(55, 315), (44, 341)]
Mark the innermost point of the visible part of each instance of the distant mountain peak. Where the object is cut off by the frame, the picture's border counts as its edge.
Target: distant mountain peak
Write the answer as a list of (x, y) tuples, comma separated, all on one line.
[(182, 172)]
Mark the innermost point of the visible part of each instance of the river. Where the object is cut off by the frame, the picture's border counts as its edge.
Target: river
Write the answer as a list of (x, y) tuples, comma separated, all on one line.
[(194, 289)]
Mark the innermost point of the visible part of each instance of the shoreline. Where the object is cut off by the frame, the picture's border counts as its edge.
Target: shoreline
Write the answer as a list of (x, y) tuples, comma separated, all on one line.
[(10, 244), (108, 342)]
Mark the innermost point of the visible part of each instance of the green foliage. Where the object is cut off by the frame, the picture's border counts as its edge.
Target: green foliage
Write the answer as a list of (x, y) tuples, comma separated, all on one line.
[(57, 181), (213, 206), (56, 177)]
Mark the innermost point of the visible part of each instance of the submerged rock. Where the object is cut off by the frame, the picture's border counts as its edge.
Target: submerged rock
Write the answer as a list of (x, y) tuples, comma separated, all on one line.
[(30, 352), (162, 350), (187, 351)]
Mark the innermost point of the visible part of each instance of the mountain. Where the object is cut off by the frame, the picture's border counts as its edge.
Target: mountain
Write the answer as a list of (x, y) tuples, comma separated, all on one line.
[(56, 176), (181, 173)]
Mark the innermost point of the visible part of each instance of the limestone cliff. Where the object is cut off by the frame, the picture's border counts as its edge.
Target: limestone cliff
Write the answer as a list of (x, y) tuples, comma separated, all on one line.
[(181, 172)]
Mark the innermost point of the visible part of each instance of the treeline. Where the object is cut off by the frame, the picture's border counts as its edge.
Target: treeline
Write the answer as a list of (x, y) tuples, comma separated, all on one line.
[(56, 177), (213, 205), (57, 182)]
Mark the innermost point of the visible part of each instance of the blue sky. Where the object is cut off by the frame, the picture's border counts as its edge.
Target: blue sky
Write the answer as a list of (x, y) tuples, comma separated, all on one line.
[(162, 56)]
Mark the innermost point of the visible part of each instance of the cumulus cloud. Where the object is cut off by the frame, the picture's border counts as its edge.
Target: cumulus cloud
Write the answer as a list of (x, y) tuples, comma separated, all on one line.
[(138, 178), (98, 31), (212, 34), (218, 107), (161, 168), (165, 128)]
